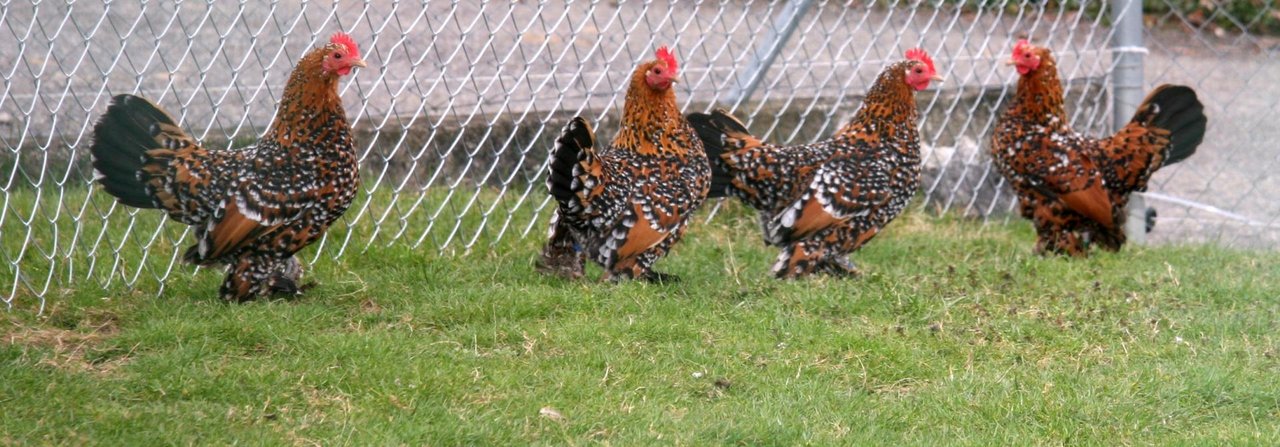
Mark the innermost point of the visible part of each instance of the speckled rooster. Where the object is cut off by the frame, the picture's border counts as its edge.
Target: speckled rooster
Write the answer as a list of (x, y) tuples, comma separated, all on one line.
[(623, 206), (1075, 188), (819, 202), (253, 208)]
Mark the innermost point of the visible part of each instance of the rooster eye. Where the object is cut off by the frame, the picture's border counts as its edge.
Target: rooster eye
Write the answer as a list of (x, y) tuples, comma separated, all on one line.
[(657, 71), (337, 55)]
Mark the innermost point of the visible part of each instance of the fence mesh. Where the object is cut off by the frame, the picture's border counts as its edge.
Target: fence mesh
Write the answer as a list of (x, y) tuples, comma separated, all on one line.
[(461, 100)]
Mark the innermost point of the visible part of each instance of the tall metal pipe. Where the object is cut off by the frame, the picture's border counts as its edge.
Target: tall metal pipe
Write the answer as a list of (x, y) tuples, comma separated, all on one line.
[(762, 58), (1128, 51)]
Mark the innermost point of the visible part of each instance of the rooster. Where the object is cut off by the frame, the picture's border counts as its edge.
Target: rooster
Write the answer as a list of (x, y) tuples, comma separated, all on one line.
[(819, 202), (1075, 188), (623, 206), (253, 208)]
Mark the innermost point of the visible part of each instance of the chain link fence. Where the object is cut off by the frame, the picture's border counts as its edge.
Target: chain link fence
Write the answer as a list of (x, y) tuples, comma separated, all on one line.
[(461, 101)]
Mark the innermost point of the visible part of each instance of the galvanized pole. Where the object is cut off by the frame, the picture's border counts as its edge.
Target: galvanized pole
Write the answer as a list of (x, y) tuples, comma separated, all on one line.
[(762, 58), (1126, 92)]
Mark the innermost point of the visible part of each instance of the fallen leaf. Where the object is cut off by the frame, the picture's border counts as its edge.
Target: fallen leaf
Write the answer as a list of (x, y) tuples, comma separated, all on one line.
[(551, 413)]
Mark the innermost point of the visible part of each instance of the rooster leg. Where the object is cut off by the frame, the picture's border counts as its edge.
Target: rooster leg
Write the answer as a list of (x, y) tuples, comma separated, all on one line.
[(255, 275), (248, 278), (562, 255), (1053, 236), (1061, 242), (1048, 242), (286, 278), (799, 259), (840, 242), (652, 255), (1073, 244), (624, 269), (660, 278), (641, 266), (840, 266), (1108, 239), (635, 268)]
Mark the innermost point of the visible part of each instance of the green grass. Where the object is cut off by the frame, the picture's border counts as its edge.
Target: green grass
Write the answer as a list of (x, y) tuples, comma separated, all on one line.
[(956, 335)]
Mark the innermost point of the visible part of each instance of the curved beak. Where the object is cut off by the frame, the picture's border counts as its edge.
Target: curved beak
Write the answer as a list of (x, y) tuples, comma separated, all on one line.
[(1010, 61), (359, 63), (938, 78)]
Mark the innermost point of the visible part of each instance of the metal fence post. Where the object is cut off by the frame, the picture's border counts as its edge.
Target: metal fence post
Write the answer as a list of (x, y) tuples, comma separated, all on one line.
[(762, 58), (1126, 91)]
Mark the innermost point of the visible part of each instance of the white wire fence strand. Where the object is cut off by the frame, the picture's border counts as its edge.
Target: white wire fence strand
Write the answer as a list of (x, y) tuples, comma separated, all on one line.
[(461, 101)]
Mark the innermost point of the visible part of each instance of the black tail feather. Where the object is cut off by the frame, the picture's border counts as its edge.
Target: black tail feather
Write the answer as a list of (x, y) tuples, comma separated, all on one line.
[(575, 138), (1177, 109), (562, 254), (711, 129), (121, 139)]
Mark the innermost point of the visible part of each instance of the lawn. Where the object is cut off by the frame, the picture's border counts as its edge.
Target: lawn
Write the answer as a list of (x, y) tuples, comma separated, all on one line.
[(956, 334)]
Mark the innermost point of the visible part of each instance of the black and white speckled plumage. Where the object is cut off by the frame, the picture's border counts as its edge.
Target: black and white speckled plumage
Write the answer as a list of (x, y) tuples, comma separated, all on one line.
[(624, 205), (819, 202), (1075, 188), (253, 208)]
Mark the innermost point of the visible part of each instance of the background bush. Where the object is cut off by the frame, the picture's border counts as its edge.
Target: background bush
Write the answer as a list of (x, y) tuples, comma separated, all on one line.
[(1233, 16)]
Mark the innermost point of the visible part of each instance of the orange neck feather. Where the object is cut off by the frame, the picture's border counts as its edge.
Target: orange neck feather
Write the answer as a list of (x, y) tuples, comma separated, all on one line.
[(1039, 97), (310, 98), (889, 101), (647, 113)]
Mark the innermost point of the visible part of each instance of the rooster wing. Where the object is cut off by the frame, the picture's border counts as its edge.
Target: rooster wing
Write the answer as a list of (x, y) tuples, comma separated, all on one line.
[(1060, 168), (836, 191)]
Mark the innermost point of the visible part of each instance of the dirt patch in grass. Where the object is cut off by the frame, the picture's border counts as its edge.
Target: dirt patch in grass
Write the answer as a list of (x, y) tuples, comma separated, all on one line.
[(78, 349)]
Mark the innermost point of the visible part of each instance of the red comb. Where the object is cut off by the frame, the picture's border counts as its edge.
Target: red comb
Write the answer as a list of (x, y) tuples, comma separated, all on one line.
[(664, 54), (345, 40), (1021, 45), (917, 54)]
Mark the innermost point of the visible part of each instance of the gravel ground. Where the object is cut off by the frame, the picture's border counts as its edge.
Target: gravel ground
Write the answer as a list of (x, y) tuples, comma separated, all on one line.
[(455, 66)]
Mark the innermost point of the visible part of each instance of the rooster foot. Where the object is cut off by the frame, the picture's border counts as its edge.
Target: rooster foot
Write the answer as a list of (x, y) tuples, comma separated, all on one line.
[(841, 266), (286, 287), (565, 264), (660, 278), (569, 270), (284, 279)]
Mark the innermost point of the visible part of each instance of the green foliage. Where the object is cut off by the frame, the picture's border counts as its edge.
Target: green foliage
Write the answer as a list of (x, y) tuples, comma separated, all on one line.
[(955, 335), (1232, 16), (1254, 16)]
